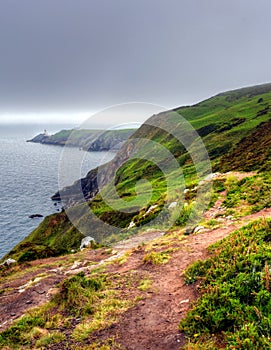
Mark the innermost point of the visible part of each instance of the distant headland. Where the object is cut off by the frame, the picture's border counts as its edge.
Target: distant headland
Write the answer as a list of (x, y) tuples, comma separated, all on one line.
[(86, 139)]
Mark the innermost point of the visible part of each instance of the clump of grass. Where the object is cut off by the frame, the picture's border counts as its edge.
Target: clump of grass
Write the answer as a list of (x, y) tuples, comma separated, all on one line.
[(212, 223), (77, 294), (50, 338), (236, 301), (156, 258), (28, 328), (106, 312), (145, 284)]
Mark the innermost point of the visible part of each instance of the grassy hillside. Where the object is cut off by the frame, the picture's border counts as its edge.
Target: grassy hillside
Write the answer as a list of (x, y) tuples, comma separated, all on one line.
[(108, 294), (233, 311), (234, 128)]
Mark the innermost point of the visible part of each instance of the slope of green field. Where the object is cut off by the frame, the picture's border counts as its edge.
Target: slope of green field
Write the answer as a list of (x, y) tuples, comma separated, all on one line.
[(224, 122)]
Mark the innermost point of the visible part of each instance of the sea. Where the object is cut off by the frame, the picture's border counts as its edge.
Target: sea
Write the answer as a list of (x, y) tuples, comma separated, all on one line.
[(29, 177)]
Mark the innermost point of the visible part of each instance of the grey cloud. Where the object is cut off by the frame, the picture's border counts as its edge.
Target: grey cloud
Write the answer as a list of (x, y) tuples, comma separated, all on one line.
[(85, 55)]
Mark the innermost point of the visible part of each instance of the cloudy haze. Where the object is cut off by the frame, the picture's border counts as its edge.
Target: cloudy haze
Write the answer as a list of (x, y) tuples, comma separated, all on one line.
[(65, 59)]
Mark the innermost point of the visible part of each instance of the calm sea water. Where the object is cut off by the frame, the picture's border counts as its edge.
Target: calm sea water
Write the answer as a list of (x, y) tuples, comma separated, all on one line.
[(29, 177)]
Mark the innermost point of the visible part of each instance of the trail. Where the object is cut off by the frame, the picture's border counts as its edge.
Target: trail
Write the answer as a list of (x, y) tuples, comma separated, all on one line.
[(153, 322)]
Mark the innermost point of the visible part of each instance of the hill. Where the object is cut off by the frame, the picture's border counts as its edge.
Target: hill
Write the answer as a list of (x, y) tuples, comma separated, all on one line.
[(136, 293), (224, 122)]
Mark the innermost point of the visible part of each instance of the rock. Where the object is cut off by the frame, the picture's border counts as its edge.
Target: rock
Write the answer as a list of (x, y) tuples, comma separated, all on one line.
[(172, 205), (8, 262), (184, 301), (75, 265), (86, 242), (132, 224), (189, 230), (41, 138), (199, 229), (35, 216), (151, 208)]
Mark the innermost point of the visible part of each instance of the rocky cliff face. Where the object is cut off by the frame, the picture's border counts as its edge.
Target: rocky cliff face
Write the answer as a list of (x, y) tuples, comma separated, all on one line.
[(41, 138)]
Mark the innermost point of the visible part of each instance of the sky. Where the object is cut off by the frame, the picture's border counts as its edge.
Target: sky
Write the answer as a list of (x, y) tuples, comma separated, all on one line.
[(64, 60)]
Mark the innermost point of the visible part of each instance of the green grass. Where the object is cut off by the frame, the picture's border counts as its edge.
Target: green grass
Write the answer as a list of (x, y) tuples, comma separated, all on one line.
[(226, 123), (252, 193), (76, 297), (77, 294), (235, 303), (156, 258), (82, 305), (145, 284)]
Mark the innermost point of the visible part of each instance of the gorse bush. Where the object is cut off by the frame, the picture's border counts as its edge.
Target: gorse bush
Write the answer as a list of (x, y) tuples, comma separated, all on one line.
[(235, 284)]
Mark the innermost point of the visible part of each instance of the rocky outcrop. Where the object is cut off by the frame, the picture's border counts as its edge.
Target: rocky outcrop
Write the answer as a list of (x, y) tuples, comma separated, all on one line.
[(41, 138), (33, 216)]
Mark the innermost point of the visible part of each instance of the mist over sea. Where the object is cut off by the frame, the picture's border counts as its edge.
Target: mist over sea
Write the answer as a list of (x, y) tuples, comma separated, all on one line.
[(29, 177)]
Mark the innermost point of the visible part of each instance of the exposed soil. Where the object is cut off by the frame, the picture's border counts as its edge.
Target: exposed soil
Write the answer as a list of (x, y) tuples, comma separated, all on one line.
[(153, 322)]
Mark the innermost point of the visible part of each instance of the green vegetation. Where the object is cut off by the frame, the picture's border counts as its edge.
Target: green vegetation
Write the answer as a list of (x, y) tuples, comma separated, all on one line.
[(89, 139), (234, 308), (248, 195), (234, 127), (53, 237), (156, 258), (77, 294), (222, 121), (145, 284), (94, 301)]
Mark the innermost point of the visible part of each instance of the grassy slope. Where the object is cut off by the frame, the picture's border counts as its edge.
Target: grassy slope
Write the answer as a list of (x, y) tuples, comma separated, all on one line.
[(234, 310), (222, 121)]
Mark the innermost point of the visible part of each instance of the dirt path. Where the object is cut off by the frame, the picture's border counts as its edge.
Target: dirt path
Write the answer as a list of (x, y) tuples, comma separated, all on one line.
[(153, 322)]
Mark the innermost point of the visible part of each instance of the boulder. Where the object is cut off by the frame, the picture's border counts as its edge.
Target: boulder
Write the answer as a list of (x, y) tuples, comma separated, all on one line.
[(172, 205), (86, 242), (199, 229), (8, 262), (132, 224)]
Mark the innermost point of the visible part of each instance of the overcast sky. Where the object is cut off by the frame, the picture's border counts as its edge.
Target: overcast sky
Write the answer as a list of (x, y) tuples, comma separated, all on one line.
[(65, 59)]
